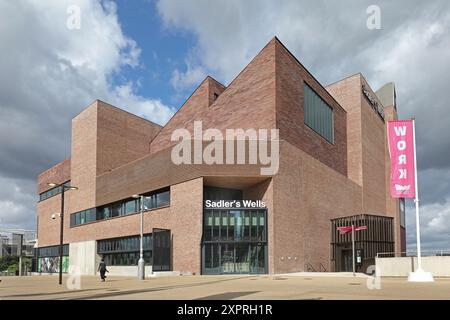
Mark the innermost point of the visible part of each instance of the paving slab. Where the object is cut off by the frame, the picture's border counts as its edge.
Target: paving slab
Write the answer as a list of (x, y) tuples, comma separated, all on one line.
[(243, 287)]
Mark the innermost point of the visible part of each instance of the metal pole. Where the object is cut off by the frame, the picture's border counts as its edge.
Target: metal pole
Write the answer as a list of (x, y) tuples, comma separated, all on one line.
[(20, 265), (19, 251), (418, 275), (353, 248), (61, 235), (416, 201), (141, 262)]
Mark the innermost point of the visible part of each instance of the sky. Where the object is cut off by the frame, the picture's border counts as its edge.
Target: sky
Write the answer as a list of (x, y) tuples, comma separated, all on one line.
[(147, 57)]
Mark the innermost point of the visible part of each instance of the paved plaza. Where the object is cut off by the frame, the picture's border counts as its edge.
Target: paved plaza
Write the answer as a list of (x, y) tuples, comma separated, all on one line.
[(292, 286)]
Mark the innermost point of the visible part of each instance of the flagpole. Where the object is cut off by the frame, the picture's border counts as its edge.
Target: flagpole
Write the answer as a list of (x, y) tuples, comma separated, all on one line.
[(353, 248), (416, 201), (419, 275)]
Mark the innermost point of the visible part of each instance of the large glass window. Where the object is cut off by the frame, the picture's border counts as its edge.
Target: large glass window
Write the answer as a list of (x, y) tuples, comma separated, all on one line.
[(153, 200), (318, 114), (52, 251), (234, 241), (125, 251)]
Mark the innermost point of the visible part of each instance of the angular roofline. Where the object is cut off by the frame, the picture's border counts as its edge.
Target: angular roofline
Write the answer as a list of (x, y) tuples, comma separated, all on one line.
[(345, 78), (132, 114), (115, 107), (56, 164), (315, 79)]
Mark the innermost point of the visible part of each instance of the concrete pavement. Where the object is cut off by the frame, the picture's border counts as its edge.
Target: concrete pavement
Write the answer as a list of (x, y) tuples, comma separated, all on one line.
[(240, 287)]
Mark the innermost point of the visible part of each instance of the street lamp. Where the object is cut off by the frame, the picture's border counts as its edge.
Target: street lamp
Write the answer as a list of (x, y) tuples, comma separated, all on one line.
[(141, 262), (61, 232)]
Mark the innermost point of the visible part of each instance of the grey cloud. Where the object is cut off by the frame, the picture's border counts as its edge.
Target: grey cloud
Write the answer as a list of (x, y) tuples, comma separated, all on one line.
[(48, 74)]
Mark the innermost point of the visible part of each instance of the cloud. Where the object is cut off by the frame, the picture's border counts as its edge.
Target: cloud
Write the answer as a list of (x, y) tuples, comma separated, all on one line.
[(155, 110), (331, 39), (48, 74), (435, 226), (185, 80)]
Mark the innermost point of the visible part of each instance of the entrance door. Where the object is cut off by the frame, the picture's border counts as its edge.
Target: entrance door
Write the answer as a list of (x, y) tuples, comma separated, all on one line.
[(241, 260), (227, 258), (161, 250), (347, 265)]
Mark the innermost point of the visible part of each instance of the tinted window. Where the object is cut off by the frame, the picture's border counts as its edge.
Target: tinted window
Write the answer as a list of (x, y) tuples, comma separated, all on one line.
[(318, 114)]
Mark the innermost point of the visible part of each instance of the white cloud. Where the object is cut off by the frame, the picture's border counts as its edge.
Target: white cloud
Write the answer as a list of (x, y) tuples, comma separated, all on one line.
[(154, 110), (48, 74), (185, 80)]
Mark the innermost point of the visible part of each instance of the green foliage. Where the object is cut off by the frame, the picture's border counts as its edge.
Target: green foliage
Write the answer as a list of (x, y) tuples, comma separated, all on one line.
[(8, 261), (13, 268)]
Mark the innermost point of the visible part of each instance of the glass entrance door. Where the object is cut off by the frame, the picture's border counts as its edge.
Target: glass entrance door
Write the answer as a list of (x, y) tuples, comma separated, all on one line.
[(234, 241), (227, 258)]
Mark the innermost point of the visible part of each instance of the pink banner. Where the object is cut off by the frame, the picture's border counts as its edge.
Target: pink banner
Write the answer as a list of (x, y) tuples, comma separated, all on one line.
[(401, 149)]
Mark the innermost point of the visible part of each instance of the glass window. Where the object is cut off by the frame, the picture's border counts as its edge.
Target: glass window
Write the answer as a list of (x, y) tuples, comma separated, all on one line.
[(261, 226), (318, 114), (52, 192), (224, 225), (77, 218), (116, 210), (72, 220), (216, 226), (163, 199), (131, 206), (82, 217), (239, 226), (208, 226), (92, 215), (150, 202), (246, 225), (125, 251), (107, 212), (254, 225)]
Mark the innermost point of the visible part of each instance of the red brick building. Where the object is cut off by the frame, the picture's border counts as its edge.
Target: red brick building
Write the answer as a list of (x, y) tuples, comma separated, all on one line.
[(333, 170)]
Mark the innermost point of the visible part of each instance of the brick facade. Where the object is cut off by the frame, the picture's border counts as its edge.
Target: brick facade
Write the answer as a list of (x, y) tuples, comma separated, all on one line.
[(116, 154)]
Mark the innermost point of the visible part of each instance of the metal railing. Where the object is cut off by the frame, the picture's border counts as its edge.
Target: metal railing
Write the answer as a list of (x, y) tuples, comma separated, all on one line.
[(309, 267), (322, 268), (424, 253)]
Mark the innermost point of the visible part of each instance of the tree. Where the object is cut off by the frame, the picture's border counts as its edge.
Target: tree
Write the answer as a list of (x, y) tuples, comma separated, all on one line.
[(7, 261)]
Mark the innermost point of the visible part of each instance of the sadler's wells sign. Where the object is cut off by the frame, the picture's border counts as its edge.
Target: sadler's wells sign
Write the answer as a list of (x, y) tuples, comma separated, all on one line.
[(235, 204)]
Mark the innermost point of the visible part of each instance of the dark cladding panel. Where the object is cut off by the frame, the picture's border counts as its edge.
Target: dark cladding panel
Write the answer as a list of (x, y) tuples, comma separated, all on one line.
[(378, 238)]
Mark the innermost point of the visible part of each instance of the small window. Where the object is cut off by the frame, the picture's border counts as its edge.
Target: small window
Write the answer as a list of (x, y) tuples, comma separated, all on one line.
[(216, 95)]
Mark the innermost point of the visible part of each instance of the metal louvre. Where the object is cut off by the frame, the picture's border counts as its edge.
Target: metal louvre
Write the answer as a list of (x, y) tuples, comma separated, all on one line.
[(379, 237)]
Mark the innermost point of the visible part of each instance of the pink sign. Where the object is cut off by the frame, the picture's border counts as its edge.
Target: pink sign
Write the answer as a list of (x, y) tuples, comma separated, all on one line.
[(401, 149)]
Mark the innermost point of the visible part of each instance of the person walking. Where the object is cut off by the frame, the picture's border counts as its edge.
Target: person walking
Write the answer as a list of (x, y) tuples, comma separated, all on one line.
[(102, 269)]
